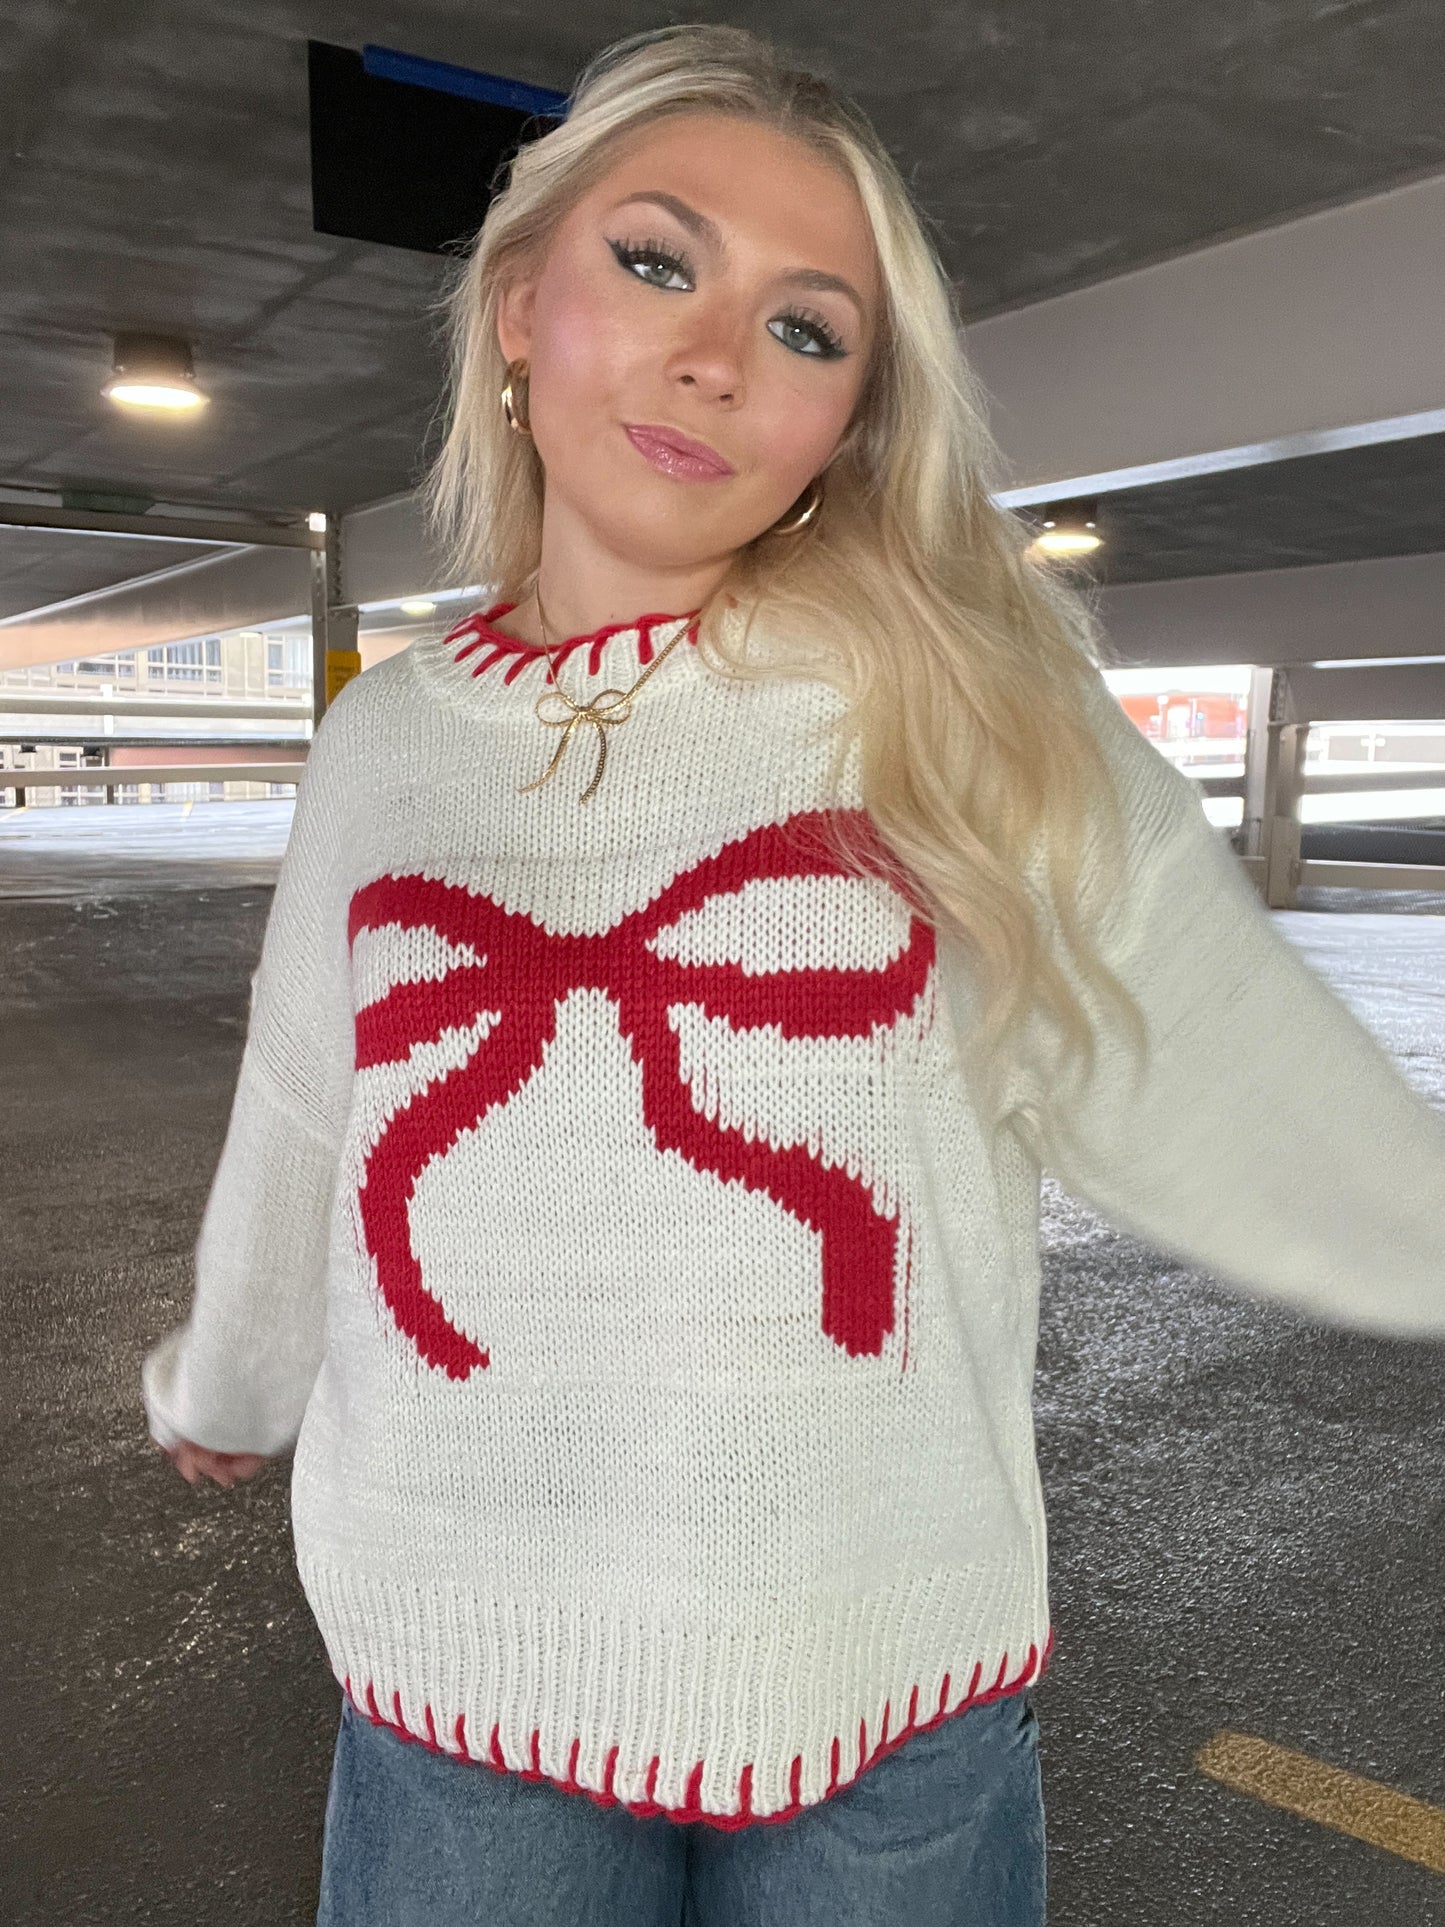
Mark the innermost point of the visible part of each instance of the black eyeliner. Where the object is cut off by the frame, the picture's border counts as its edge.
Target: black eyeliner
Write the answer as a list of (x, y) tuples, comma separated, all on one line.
[(628, 253)]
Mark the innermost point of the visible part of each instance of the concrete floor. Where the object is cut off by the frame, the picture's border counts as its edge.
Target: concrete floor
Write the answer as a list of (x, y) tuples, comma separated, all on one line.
[(102, 849), (1245, 1510)]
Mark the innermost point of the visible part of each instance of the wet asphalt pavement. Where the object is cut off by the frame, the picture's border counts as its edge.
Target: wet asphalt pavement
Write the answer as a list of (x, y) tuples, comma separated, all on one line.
[(1245, 1509)]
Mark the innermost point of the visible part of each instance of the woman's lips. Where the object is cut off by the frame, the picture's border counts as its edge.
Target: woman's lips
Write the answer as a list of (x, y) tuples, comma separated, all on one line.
[(677, 454)]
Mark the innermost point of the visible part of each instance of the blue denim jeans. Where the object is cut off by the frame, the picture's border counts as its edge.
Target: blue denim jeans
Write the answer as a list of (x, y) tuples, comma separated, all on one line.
[(948, 1831)]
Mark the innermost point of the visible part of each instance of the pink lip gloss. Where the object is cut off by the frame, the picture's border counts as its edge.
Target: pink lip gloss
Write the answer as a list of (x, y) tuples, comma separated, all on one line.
[(672, 461)]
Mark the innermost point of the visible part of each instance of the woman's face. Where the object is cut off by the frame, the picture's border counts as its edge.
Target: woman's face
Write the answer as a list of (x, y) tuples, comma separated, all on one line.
[(720, 283)]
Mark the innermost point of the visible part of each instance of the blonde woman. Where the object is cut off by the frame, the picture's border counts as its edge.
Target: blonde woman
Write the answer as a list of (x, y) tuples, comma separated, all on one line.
[(678, 978)]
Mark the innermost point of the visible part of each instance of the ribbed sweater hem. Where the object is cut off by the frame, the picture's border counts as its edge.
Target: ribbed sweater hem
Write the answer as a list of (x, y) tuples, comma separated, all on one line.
[(757, 1726)]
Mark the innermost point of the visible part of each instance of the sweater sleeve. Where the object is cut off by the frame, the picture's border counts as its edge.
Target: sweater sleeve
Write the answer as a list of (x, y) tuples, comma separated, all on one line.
[(1271, 1138), (236, 1376)]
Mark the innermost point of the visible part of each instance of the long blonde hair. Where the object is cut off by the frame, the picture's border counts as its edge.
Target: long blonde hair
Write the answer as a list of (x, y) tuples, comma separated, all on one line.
[(967, 667)]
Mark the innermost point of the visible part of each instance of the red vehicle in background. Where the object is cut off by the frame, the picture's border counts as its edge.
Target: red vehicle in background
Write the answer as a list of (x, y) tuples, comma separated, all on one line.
[(1178, 715)]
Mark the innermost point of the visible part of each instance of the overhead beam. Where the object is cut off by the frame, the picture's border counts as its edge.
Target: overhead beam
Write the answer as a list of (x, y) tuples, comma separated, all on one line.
[(160, 528), (1248, 351), (1399, 692), (1328, 612), (386, 552), (1381, 608), (234, 590)]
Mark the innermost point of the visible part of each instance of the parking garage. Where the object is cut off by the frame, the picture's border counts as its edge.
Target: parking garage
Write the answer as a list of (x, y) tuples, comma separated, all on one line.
[(1198, 264)]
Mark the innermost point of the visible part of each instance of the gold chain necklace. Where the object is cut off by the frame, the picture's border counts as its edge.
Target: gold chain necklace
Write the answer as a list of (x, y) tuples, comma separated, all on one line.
[(606, 709)]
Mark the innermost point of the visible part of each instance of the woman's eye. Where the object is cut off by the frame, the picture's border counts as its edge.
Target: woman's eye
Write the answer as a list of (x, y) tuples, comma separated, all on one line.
[(825, 345), (661, 267), (652, 254)]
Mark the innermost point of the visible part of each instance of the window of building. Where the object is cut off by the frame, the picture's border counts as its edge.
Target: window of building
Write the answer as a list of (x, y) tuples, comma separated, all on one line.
[(288, 662), (113, 668), (183, 664)]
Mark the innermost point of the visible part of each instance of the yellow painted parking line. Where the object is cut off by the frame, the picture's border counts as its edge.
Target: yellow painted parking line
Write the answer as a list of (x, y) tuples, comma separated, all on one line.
[(1366, 1809), (190, 805)]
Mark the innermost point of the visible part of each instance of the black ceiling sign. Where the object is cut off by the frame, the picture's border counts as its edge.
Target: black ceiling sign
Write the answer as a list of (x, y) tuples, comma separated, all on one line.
[(403, 165)]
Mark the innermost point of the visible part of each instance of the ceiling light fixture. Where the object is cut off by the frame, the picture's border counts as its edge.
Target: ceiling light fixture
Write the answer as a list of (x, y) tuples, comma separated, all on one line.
[(417, 606), (154, 371), (1069, 529)]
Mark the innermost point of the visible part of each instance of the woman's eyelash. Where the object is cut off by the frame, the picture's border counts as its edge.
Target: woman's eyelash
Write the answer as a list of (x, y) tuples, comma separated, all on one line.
[(832, 346), (629, 254)]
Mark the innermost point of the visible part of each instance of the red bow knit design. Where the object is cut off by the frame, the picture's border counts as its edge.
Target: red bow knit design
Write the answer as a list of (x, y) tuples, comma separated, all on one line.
[(527, 971)]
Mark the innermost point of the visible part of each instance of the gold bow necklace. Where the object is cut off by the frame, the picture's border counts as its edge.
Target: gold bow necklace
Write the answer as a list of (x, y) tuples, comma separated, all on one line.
[(605, 711)]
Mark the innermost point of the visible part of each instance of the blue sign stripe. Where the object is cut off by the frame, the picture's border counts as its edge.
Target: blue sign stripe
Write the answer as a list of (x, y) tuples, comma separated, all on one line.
[(385, 63)]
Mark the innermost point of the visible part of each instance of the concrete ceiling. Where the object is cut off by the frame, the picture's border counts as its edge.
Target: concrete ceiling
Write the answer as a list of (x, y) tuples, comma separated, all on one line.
[(1349, 505), (156, 178)]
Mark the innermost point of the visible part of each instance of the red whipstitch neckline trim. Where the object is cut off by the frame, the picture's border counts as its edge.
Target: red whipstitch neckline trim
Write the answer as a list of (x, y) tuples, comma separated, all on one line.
[(477, 633), (692, 1808)]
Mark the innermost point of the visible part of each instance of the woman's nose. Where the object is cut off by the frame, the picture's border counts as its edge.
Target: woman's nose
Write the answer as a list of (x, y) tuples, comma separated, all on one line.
[(711, 360), (718, 393)]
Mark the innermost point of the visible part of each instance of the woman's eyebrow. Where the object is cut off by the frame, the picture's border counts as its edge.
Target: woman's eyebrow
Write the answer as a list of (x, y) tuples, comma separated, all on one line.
[(826, 283), (708, 231), (695, 223)]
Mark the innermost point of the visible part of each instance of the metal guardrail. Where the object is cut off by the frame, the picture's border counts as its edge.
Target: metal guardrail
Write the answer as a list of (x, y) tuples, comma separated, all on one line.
[(1329, 782), (26, 702), (1336, 874), (259, 746), (1278, 891), (122, 776)]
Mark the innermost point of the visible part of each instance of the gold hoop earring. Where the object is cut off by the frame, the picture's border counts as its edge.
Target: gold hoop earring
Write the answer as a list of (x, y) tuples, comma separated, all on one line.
[(516, 370), (803, 517)]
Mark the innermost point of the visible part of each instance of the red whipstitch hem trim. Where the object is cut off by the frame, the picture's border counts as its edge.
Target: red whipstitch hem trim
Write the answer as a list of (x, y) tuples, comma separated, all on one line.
[(692, 1808), (477, 633)]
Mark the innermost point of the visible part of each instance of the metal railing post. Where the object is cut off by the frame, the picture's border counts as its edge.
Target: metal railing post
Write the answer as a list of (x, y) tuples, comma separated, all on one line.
[(334, 655), (343, 656), (1260, 711), (325, 590), (1282, 850), (1274, 754)]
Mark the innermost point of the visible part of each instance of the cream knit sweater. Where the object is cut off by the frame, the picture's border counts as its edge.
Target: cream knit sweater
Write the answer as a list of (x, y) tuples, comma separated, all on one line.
[(604, 1221)]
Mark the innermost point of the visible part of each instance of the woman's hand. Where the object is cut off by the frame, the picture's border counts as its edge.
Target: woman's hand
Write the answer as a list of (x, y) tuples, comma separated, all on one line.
[(224, 1467)]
